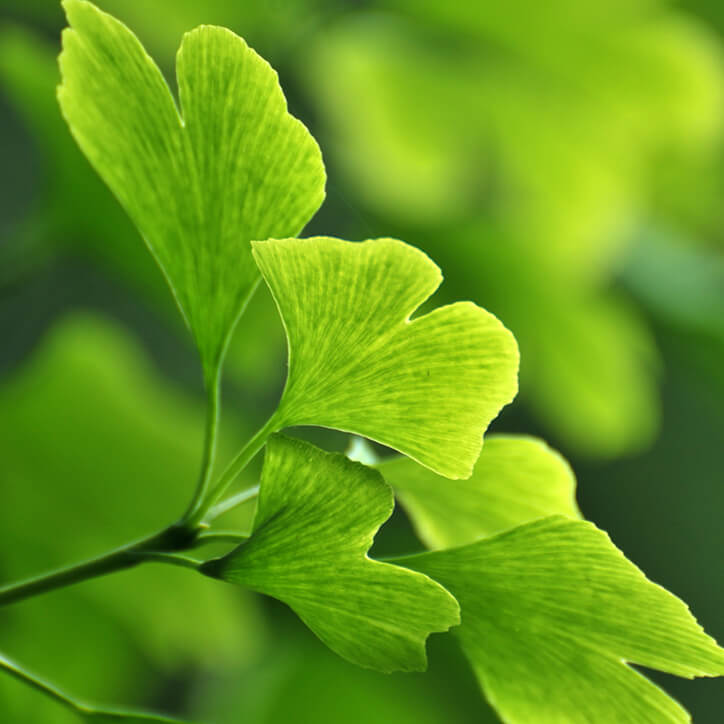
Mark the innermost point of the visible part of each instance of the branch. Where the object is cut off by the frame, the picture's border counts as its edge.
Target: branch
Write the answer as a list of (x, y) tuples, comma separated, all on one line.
[(173, 538)]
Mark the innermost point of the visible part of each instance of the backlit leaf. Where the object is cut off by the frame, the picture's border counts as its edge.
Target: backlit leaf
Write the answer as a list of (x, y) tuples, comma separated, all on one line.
[(233, 166), (552, 611), (317, 516), (515, 481), (427, 387)]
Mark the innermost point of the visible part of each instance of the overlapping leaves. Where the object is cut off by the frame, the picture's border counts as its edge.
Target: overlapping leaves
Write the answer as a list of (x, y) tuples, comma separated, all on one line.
[(516, 479), (317, 515)]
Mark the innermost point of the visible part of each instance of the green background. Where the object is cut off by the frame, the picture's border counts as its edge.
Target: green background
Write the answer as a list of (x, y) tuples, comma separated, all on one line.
[(563, 164)]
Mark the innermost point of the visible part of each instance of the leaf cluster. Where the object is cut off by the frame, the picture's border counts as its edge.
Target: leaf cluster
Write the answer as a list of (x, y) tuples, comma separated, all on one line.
[(548, 611)]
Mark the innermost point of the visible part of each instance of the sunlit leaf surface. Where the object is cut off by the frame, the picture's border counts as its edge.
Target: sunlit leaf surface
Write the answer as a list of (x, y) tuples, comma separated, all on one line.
[(200, 183), (552, 611), (317, 515), (515, 481), (427, 387)]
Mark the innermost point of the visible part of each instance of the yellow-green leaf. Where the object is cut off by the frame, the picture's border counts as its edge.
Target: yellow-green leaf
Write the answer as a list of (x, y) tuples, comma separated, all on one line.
[(552, 612), (516, 480), (427, 387), (317, 516), (233, 165)]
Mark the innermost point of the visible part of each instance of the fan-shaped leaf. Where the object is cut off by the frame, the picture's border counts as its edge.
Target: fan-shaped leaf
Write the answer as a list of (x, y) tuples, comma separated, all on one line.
[(427, 387), (235, 166), (317, 515), (552, 611)]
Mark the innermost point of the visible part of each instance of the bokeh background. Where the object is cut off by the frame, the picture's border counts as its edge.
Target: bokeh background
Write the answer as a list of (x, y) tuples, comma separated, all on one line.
[(562, 162)]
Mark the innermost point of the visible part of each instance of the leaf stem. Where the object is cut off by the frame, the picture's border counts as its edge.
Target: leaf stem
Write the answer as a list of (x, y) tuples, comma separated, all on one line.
[(178, 537), (221, 536), (242, 459), (77, 706), (38, 684), (210, 439), (172, 538), (231, 502), (174, 559)]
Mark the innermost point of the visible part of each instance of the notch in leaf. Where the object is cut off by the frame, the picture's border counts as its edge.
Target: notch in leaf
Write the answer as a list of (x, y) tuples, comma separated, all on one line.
[(427, 387), (200, 185), (317, 516), (552, 611)]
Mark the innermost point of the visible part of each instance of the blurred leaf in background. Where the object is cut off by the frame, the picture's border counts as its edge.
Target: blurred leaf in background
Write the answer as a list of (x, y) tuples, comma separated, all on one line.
[(98, 450), (522, 153), (298, 679)]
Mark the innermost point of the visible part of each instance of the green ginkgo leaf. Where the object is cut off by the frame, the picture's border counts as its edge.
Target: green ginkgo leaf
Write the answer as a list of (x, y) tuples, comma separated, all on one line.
[(552, 611), (317, 516), (516, 480), (427, 387), (200, 185)]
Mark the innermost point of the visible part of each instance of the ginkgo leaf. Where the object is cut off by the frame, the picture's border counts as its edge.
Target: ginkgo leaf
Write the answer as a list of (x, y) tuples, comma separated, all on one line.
[(552, 611), (427, 387), (516, 480), (317, 516), (234, 166)]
